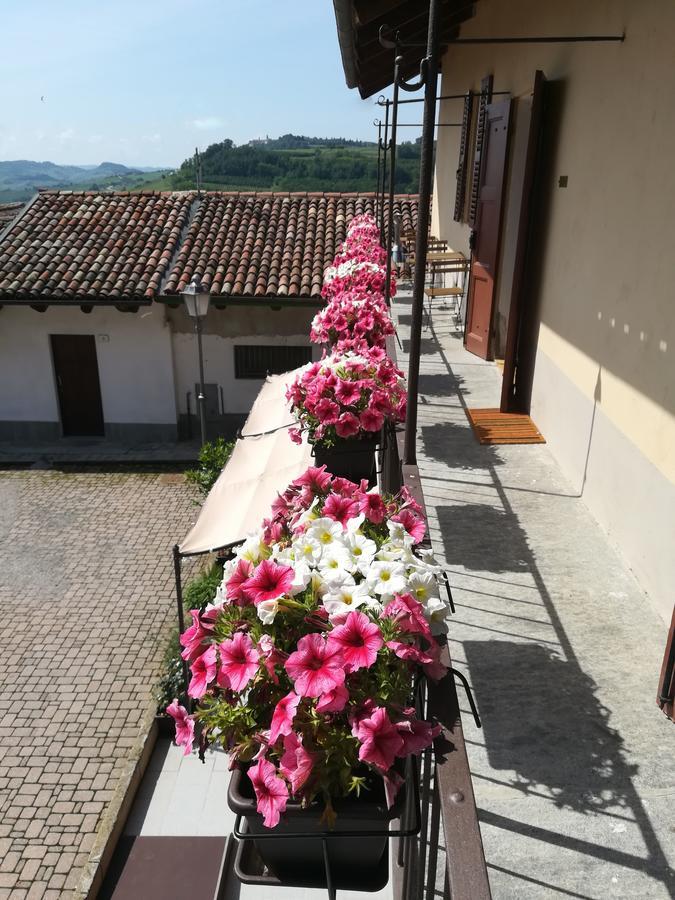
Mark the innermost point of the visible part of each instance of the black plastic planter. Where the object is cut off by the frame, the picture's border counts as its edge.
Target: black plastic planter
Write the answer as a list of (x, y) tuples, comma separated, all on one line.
[(352, 458), (354, 860)]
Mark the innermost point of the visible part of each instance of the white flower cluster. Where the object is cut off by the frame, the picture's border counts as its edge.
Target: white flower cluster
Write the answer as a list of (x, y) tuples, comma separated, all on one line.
[(348, 570), (348, 268)]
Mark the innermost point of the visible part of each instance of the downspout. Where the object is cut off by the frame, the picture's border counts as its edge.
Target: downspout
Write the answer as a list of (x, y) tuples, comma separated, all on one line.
[(423, 211)]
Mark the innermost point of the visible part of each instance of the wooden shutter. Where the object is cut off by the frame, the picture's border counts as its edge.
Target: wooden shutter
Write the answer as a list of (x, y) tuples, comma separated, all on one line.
[(485, 98), (462, 164), (666, 695)]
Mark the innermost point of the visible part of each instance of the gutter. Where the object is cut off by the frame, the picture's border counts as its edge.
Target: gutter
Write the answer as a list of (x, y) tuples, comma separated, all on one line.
[(344, 20)]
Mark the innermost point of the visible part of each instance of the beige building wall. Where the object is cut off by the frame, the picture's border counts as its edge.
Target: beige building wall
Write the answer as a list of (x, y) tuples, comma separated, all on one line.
[(604, 388)]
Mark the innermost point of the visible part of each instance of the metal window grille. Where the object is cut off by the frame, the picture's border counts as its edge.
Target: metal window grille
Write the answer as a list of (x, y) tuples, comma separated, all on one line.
[(259, 360)]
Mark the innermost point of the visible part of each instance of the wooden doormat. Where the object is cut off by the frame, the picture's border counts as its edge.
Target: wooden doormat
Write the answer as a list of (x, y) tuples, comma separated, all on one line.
[(491, 426)]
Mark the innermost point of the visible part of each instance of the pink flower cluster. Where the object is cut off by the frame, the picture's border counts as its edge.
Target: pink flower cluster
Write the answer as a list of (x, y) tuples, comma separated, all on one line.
[(354, 288), (347, 395), (309, 651)]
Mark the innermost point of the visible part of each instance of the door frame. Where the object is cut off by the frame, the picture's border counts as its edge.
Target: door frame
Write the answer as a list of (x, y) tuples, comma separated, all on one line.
[(515, 396), (57, 387), (506, 102)]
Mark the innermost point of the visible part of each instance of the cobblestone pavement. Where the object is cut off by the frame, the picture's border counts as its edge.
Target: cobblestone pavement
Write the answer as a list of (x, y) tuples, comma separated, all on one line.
[(86, 597)]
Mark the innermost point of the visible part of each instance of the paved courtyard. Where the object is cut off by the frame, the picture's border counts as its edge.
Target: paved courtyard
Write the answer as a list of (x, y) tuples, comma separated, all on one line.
[(86, 595), (574, 768)]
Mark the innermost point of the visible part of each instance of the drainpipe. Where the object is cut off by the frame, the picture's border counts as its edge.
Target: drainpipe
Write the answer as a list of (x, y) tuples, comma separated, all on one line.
[(423, 210)]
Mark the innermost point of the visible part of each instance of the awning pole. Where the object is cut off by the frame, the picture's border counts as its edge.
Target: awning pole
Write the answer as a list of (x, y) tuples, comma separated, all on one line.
[(378, 123), (181, 615), (422, 235)]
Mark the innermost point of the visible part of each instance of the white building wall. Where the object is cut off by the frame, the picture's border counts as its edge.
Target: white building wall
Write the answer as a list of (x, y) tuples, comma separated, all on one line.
[(224, 329), (134, 362)]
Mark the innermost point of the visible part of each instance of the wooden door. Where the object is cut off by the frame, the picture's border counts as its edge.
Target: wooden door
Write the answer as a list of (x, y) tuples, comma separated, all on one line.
[(486, 234), (77, 384), (517, 375)]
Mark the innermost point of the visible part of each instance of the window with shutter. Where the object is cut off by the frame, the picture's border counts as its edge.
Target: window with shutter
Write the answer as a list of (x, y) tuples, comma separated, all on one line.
[(460, 195), (485, 98)]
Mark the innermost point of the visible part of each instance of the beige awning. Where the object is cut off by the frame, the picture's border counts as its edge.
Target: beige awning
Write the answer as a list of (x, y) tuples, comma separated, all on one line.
[(260, 467)]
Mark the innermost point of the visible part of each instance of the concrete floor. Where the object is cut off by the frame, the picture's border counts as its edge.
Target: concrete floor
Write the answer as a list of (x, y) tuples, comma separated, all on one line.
[(574, 769)]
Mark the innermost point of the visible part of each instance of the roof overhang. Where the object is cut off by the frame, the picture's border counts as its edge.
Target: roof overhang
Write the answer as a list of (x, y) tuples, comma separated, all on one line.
[(370, 67)]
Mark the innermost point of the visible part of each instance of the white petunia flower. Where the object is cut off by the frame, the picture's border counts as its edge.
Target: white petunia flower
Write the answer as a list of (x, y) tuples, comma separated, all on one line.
[(307, 548), (343, 598), (428, 560), (361, 551), (355, 523), (325, 531), (309, 515), (301, 577), (267, 610), (335, 560), (435, 612), (253, 549), (386, 577), (423, 585)]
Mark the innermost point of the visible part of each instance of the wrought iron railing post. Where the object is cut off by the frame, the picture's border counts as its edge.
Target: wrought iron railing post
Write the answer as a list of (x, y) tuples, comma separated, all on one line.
[(422, 235), (392, 179), (387, 104)]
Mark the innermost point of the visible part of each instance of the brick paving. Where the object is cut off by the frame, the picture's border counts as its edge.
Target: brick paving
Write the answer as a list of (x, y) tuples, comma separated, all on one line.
[(86, 598)]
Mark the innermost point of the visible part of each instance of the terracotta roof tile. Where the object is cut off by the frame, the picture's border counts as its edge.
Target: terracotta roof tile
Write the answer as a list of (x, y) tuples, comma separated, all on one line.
[(86, 245), (117, 247), (267, 244)]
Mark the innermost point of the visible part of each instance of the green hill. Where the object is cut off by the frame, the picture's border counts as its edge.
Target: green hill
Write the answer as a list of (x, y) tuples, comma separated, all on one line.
[(294, 163)]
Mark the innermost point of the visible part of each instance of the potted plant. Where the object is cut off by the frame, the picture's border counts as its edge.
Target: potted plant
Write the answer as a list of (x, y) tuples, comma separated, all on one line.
[(353, 316), (342, 402), (303, 669)]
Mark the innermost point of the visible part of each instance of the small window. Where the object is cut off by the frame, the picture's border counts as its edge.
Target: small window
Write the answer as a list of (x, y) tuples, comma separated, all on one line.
[(257, 361)]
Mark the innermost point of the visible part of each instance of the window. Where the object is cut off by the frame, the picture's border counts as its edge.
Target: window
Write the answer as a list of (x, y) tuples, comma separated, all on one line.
[(259, 360)]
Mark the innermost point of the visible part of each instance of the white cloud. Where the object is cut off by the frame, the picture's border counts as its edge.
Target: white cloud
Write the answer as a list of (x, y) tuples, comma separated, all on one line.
[(152, 138), (208, 123), (95, 138), (64, 137)]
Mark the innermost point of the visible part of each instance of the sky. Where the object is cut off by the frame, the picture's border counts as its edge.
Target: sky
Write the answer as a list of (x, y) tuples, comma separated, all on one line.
[(144, 82)]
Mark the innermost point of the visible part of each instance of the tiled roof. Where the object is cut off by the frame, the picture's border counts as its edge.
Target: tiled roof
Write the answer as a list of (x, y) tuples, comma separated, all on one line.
[(92, 246), (9, 211), (270, 244), (122, 247)]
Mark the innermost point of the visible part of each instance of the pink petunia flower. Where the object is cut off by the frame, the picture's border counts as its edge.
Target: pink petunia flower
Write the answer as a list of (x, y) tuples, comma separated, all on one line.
[(269, 581), (380, 741), (185, 726), (295, 435), (296, 763), (334, 700), (340, 508), (434, 668), (373, 508), (235, 583), (413, 524), (192, 639), (416, 734), (371, 420), (203, 673), (239, 661), (347, 425), (315, 667), (359, 639), (270, 791), (316, 478), (348, 392), (409, 652), (407, 611), (283, 715), (327, 411)]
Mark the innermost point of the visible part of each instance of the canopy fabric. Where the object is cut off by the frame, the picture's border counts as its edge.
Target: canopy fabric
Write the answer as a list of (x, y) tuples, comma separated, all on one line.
[(261, 466)]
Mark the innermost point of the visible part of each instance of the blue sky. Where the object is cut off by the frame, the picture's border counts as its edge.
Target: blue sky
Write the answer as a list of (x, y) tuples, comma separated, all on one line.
[(145, 82)]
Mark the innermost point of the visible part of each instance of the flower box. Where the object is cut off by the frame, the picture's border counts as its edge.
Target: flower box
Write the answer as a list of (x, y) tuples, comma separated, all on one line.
[(352, 458), (299, 861)]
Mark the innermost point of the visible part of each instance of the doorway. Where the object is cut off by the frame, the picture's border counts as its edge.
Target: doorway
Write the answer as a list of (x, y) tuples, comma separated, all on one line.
[(77, 384), (486, 235)]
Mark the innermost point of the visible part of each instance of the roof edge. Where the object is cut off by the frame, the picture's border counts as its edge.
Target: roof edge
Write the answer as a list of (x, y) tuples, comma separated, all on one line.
[(346, 40)]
